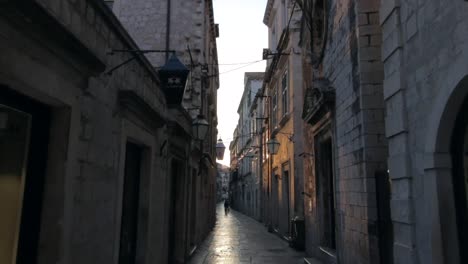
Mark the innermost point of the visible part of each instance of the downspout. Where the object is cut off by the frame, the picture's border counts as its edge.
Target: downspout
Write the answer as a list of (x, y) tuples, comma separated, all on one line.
[(168, 27)]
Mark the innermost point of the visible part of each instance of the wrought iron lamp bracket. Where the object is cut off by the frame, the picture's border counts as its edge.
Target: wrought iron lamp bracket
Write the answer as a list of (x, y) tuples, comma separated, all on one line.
[(134, 53)]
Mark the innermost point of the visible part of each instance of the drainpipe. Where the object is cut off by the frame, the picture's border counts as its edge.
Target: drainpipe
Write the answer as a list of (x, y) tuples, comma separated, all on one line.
[(168, 27)]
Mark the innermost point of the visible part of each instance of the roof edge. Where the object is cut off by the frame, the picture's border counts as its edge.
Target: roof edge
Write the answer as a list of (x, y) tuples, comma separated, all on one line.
[(269, 7)]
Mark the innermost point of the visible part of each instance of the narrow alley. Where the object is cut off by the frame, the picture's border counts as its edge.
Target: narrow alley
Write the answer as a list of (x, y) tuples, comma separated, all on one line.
[(337, 125), (237, 238)]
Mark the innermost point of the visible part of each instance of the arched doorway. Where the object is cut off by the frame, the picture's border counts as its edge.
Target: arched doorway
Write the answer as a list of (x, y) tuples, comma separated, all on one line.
[(447, 164), (459, 153)]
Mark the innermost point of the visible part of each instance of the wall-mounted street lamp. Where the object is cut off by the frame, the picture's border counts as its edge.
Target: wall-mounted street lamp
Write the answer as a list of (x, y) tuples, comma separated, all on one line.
[(200, 127), (173, 76), (220, 148), (273, 146)]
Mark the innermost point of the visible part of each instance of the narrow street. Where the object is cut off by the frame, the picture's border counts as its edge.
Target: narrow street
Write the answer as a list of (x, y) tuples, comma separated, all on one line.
[(237, 238)]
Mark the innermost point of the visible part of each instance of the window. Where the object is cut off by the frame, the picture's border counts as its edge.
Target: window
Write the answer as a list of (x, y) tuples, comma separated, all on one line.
[(274, 107), (285, 92)]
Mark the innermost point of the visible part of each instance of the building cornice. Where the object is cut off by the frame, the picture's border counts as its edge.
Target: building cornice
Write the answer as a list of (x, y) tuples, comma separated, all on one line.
[(268, 10)]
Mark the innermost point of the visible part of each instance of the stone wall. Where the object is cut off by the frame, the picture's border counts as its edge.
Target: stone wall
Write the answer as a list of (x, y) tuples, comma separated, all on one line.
[(351, 66), (425, 62), (186, 27), (190, 32), (285, 197), (93, 116)]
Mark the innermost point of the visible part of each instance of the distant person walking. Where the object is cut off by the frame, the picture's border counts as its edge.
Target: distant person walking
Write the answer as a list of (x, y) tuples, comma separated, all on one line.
[(226, 207)]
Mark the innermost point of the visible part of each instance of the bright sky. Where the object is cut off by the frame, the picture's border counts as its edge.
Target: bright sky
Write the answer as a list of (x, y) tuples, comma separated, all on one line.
[(242, 37)]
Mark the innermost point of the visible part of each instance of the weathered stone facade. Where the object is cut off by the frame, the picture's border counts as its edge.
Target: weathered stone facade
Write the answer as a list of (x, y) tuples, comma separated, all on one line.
[(187, 27), (222, 182), (425, 87), (419, 99), (346, 149), (99, 132), (246, 186), (283, 86)]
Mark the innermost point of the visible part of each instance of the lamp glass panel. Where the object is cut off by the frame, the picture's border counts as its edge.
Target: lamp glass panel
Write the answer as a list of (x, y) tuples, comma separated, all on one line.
[(220, 148), (273, 146), (200, 127), (202, 130)]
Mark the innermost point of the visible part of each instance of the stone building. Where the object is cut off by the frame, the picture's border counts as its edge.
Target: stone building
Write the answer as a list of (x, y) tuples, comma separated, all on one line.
[(426, 93), (222, 182), (97, 160), (397, 101), (347, 215), (259, 115), (246, 196), (186, 27), (283, 89)]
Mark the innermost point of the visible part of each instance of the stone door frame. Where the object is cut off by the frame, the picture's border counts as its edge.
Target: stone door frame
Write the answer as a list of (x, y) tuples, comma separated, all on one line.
[(438, 171)]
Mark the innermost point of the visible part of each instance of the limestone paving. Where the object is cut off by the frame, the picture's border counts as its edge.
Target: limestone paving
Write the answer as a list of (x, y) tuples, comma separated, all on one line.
[(239, 239)]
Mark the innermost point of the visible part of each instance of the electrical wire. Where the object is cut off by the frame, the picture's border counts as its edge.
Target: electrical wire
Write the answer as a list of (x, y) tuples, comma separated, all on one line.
[(235, 69), (236, 63)]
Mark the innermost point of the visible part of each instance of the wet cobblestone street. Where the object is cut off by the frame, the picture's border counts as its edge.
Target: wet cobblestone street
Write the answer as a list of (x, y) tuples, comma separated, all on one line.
[(237, 238)]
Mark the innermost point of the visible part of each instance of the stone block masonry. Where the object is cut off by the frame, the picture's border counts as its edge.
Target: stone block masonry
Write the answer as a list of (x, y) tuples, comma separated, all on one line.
[(423, 66), (352, 64), (93, 116)]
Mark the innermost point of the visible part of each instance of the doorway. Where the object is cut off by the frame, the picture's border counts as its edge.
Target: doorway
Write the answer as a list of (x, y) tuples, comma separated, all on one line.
[(285, 225), (385, 224), (325, 190), (24, 134), (193, 211), (130, 204), (176, 212), (276, 198), (459, 151)]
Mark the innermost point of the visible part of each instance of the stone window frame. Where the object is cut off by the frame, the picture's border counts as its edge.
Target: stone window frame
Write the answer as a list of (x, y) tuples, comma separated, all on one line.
[(438, 171)]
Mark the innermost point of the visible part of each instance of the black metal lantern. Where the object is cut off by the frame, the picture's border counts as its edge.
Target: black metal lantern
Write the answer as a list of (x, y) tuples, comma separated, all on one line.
[(273, 146), (220, 148), (173, 76), (200, 127)]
